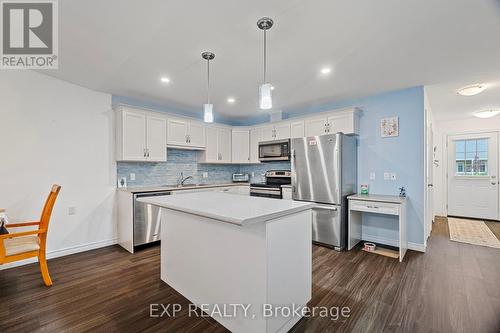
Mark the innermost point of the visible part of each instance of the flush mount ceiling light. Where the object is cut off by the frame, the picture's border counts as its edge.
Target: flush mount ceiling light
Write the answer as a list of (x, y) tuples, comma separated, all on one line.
[(231, 100), (265, 99), (165, 79), (487, 113), (208, 108), (471, 90), (326, 70)]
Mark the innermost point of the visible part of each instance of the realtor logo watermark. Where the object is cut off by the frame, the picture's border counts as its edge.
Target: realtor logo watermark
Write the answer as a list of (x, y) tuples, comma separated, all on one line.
[(29, 34)]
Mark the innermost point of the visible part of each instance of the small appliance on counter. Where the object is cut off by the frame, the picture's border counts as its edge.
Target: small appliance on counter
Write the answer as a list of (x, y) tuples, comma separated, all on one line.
[(272, 187), (240, 177)]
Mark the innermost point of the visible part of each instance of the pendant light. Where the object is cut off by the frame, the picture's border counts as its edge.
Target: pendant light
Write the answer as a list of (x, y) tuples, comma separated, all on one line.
[(265, 99), (208, 108)]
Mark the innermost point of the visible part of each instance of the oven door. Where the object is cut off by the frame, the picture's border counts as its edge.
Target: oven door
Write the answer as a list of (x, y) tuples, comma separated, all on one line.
[(265, 192), (274, 150)]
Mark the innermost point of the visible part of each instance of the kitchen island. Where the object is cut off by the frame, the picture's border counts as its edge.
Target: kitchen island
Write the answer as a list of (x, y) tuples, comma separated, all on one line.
[(245, 261)]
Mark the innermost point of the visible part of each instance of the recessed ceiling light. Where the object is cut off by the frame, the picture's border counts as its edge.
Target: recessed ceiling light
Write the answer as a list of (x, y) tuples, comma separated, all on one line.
[(487, 113), (231, 100), (471, 90), (272, 87), (325, 70), (164, 79)]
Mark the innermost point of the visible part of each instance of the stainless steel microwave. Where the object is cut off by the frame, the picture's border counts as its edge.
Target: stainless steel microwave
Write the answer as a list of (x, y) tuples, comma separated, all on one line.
[(277, 150)]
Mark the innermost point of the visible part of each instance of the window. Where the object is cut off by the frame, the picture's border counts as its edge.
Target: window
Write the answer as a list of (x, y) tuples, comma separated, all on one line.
[(471, 157)]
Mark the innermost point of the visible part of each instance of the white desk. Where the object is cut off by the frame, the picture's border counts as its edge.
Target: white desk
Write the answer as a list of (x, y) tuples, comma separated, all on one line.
[(378, 204)]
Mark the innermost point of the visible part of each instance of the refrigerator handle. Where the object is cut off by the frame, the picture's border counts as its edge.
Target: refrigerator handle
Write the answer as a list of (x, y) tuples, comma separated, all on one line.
[(326, 208)]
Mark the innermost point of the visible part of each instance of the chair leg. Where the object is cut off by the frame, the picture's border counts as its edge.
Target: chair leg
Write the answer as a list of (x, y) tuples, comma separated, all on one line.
[(44, 269)]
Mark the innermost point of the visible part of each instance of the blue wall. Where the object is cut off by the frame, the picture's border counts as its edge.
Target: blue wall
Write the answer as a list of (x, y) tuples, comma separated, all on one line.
[(403, 155)]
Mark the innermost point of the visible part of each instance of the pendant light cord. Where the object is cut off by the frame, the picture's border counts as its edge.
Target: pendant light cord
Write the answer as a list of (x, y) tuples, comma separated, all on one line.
[(208, 81), (265, 55)]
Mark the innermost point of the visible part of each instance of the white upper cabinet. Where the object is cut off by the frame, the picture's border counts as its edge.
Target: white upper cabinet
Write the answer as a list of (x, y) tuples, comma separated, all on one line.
[(346, 122), (297, 129), (185, 134), (196, 134), (133, 136), (156, 139), (177, 132), (224, 145), (255, 138), (277, 131), (218, 145), (240, 142), (315, 126), (140, 136)]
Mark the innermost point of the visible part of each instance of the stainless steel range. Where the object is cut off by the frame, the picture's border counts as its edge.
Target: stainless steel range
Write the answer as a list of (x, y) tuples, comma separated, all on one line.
[(272, 187)]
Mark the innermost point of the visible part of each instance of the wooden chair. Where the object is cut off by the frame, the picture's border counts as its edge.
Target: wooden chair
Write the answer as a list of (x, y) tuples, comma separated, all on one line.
[(28, 244)]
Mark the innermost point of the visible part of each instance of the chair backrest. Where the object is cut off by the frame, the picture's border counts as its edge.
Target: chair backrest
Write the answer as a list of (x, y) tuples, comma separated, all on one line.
[(49, 204)]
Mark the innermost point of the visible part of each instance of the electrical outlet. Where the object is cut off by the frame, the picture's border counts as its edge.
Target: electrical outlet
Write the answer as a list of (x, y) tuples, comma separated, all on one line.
[(393, 176), (372, 175), (132, 176), (205, 175), (387, 176), (72, 210)]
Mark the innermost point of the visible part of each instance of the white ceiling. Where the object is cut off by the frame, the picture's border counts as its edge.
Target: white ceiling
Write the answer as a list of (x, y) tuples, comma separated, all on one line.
[(447, 104), (123, 47)]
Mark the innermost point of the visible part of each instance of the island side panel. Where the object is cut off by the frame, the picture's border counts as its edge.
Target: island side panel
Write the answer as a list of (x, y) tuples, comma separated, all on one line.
[(214, 262), (289, 255)]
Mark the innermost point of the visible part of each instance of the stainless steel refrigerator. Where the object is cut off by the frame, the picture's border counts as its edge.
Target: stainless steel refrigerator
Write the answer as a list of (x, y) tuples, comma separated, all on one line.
[(324, 171)]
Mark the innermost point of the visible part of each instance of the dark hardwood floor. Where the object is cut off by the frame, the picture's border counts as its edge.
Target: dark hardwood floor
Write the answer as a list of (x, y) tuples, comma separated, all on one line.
[(454, 287)]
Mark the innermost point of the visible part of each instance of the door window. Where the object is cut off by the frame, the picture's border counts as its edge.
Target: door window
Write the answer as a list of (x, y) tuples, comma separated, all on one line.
[(471, 157)]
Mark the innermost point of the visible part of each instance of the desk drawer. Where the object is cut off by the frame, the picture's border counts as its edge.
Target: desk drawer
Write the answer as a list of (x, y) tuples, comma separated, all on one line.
[(374, 207)]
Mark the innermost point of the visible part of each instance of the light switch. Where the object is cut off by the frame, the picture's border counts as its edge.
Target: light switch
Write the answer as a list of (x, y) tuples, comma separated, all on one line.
[(132, 176), (72, 210), (372, 175), (387, 176), (393, 176), (205, 175)]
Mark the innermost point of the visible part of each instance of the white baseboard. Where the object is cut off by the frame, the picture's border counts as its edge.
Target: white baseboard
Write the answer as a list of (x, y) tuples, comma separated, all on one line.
[(394, 242), (64, 252)]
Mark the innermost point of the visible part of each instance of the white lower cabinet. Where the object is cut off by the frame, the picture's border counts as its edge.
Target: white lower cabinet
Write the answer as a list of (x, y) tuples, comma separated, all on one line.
[(218, 146)]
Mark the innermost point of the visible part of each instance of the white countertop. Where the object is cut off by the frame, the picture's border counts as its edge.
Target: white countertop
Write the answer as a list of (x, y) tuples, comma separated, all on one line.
[(176, 188), (231, 208), (377, 198)]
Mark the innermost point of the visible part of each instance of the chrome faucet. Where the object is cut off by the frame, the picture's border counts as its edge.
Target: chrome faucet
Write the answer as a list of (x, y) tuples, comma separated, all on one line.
[(182, 180)]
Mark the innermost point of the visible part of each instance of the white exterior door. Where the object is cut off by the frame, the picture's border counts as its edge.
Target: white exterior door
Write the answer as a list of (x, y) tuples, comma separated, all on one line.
[(134, 136), (473, 175), (240, 143), (156, 139)]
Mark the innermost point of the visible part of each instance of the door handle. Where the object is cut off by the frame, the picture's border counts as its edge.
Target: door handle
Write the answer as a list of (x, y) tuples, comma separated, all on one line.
[(430, 185)]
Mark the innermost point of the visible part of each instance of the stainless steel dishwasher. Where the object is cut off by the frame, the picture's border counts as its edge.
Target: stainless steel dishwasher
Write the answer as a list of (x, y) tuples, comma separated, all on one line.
[(147, 219)]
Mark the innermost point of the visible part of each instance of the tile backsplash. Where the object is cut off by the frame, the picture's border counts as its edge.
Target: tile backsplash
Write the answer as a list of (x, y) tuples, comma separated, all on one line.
[(168, 173)]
